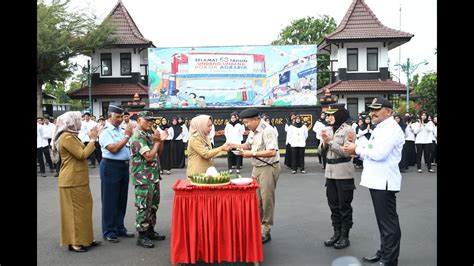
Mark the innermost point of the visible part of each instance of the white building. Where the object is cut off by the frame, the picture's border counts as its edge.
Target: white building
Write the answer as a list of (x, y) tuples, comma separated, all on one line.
[(121, 71), (358, 49)]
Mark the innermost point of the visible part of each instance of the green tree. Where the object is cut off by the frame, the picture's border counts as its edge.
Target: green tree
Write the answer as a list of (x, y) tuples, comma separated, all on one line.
[(61, 35), (427, 91), (310, 30)]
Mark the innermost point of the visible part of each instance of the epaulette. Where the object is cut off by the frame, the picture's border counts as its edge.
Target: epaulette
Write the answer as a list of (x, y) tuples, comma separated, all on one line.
[(263, 126)]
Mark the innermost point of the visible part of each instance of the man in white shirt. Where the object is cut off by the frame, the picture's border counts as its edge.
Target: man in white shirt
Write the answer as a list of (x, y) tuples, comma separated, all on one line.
[(382, 176), (86, 125)]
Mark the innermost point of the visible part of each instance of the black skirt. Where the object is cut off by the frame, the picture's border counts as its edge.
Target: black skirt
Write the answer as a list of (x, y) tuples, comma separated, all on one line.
[(165, 156), (177, 153)]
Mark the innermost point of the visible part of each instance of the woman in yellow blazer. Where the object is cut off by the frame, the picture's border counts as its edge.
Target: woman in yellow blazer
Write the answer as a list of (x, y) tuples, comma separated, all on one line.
[(75, 199), (200, 151)]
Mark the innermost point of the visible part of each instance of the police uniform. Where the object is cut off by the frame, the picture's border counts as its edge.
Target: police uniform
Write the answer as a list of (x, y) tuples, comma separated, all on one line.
[(382, 176), (146, 180), (266, 170), (114, 178), (339, 175)]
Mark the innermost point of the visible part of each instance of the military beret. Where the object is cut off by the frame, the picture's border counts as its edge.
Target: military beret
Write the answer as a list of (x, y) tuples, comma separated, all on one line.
[(380, 102), (334, 107), (146, 114), (115, 109), (249, 113)]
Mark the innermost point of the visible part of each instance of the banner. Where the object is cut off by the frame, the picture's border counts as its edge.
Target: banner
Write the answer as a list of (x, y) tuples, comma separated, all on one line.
[(198, 77)]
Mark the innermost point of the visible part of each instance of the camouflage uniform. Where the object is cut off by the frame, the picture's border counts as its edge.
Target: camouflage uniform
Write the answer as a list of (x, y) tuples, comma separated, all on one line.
[(146, 179)]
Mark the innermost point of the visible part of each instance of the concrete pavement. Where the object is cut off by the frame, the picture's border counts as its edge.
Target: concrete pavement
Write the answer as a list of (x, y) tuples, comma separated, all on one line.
[(301, 224)]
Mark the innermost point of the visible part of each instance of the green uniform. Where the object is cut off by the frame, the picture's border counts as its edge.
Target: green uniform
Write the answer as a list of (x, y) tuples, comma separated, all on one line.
[(146, 180)]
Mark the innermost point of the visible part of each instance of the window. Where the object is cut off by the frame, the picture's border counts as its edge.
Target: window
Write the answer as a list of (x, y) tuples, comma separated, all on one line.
[(352, 59), (106, 64), (372, 59), (353, 107), (125, 64)]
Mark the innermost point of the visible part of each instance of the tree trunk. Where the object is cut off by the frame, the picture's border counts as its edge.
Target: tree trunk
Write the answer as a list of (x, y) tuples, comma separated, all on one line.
[(39, 99)]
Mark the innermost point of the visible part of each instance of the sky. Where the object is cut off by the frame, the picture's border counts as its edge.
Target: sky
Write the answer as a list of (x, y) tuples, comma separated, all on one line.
[(184, 23)]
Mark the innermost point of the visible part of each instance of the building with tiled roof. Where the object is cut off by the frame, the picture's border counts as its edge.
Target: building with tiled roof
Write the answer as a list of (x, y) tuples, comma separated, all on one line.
[(118, 72), (358, 50)]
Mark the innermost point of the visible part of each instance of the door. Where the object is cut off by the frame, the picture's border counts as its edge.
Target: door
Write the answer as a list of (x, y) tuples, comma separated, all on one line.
[(105, 109)]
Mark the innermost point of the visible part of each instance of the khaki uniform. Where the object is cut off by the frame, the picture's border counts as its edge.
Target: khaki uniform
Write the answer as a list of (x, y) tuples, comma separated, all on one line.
[(340, 178), (266, 173), (200, 155)]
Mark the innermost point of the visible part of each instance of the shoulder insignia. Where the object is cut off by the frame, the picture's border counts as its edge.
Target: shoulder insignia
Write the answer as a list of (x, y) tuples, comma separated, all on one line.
[(263, 126)]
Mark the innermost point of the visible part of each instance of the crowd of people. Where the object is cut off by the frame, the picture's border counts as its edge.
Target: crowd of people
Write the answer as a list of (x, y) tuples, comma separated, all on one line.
[(73, 142)]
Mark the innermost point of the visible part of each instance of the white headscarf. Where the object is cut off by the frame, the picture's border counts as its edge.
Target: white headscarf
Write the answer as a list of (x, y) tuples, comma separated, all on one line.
[(67, 122), (199, 124)]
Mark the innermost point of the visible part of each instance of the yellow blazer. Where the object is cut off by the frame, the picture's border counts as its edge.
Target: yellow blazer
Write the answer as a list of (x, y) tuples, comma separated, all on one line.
[(74, 170), (200, 155)]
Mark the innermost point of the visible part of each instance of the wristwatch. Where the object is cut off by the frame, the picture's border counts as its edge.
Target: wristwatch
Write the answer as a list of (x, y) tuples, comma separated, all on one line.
[(254, 154), (127, 136)]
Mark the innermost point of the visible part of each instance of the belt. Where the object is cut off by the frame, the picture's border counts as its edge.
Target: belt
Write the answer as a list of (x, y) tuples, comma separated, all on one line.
[(116, 161), (339, 160), (266, 163)]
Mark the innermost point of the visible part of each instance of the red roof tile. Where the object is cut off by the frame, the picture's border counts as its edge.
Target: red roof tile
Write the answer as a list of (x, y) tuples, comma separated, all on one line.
[(373, 85), (126, 30), (360, 23), (106, 90)]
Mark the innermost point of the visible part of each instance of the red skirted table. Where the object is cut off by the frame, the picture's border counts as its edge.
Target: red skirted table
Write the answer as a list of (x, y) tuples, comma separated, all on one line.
[(215, 224)]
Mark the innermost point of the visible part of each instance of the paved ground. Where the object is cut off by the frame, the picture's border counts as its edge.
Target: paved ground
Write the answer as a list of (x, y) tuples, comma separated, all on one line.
[(302, 222)]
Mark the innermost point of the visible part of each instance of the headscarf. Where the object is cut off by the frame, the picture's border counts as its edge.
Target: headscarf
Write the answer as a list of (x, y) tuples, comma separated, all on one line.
[(340, 116), (300, 124), (67, 122), (401, 123), (165, 126), (176, 128), (199, 125), (236, 119)]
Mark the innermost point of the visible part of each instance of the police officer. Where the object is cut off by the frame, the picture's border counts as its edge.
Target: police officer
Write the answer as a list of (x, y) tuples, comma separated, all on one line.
[(382, 176), (144, 149), (339, 174), (114, 175), (262, 147)]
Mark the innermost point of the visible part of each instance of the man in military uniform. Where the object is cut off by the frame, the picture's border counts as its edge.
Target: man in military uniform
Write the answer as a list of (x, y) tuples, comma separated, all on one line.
[(339, 174), (382, 176), (262, 147), (114, 175), (144, 149)]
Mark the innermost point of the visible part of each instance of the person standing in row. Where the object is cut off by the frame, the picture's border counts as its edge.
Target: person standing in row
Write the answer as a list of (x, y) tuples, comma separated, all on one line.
[(166, 162), (382, 176), (262, 147), (339, 174), (75, 199), (318, 126), (86, 126), (297, 135), (234, 134), (114, 175), (178, 146), (144, 149), (423, 129)]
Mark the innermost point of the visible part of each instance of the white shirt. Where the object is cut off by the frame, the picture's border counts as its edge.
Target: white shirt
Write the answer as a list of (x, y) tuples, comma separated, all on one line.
[(170, 132), (423, 133), (40, 140), (48, 130), (234, 134), (382, 155), (297, 136), (318, 126), (212, 134), (85, 128), (409, 134)]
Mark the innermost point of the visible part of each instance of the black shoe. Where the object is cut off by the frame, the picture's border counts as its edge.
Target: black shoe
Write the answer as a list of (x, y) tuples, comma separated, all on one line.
[(127, 234), (293, 172), (303, 171), (80, 249), (93, 166), (56, 175), (43, 174), (112, 239), (373, 258), (266, 238), (403, 171), (155, 236), (145, 242), (95, 243), (334, 238), (343, 242)]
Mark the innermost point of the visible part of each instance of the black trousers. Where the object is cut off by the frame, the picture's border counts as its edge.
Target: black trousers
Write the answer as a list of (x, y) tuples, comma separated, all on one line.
[(340, 193), (426, 149), (91, 157), (40, 152), (297, 158), (234, 161), (288, 155), (385, 207), (403, 164)]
